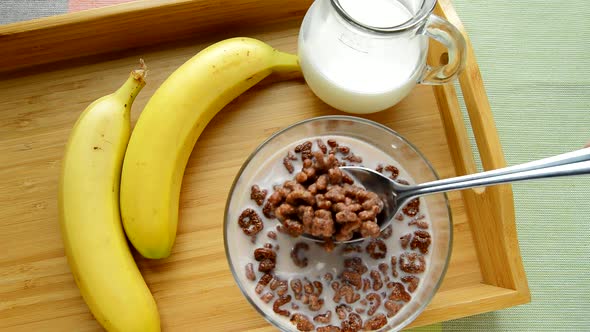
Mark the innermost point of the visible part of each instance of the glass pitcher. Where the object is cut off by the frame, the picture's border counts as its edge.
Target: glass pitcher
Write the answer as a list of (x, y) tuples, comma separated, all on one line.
[(364, 56)]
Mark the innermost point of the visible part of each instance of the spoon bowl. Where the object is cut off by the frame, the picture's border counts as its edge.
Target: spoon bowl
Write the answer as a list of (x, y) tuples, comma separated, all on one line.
[(385, 188)]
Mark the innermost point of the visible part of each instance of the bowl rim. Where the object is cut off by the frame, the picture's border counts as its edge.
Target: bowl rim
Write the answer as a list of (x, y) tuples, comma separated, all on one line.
[(245, 164)]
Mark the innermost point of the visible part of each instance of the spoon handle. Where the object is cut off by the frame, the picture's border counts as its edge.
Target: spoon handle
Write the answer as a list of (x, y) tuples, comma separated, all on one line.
[(484, 179), (562, 159)]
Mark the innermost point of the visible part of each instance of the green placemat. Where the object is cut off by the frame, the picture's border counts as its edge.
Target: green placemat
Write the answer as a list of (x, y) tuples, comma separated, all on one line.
[(534, 58)]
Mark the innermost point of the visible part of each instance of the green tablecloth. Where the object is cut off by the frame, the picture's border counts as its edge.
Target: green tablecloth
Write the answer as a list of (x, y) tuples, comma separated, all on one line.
[(534, 57)]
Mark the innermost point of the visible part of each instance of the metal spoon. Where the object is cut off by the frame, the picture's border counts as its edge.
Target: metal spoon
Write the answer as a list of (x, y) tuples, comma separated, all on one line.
[(395, 195)]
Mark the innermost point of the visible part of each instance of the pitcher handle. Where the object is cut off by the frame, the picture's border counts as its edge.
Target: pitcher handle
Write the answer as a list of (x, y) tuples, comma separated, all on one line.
[(447, 34)]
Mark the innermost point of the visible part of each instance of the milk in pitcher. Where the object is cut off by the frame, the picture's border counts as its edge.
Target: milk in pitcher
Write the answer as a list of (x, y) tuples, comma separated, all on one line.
[(355, 70)]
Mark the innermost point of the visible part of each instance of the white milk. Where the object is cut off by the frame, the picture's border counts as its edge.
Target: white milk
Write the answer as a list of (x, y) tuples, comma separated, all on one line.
[(353, 70), (320, 262), (377, 13)]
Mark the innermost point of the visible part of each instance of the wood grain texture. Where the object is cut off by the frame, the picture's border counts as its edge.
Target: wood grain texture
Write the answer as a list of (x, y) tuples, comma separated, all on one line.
[(131, 25), (491, 209), (194, 288)]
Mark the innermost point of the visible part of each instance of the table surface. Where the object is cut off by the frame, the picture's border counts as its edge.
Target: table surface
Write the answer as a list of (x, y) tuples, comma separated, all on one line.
[(533, 56)]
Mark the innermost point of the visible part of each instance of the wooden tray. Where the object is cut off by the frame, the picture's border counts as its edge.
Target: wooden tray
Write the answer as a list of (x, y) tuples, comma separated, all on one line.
[(80, 57)]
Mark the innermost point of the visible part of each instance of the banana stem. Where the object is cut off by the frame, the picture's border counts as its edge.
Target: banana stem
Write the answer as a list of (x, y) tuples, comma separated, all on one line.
[(131, 88), (286, 63)]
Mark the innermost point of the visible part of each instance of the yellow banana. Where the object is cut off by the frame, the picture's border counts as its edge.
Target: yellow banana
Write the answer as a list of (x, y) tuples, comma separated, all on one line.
[(96, 247), (170, 125)]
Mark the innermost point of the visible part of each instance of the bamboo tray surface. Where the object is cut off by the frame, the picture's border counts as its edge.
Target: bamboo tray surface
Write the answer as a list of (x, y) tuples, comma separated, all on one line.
[(194, 288)]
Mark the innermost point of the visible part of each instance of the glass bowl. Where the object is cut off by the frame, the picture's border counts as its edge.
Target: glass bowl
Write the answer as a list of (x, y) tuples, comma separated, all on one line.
[(239, 249)]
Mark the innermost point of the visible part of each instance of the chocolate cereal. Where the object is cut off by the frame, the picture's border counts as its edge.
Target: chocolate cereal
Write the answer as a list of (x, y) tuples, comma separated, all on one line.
[(365, 289)]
